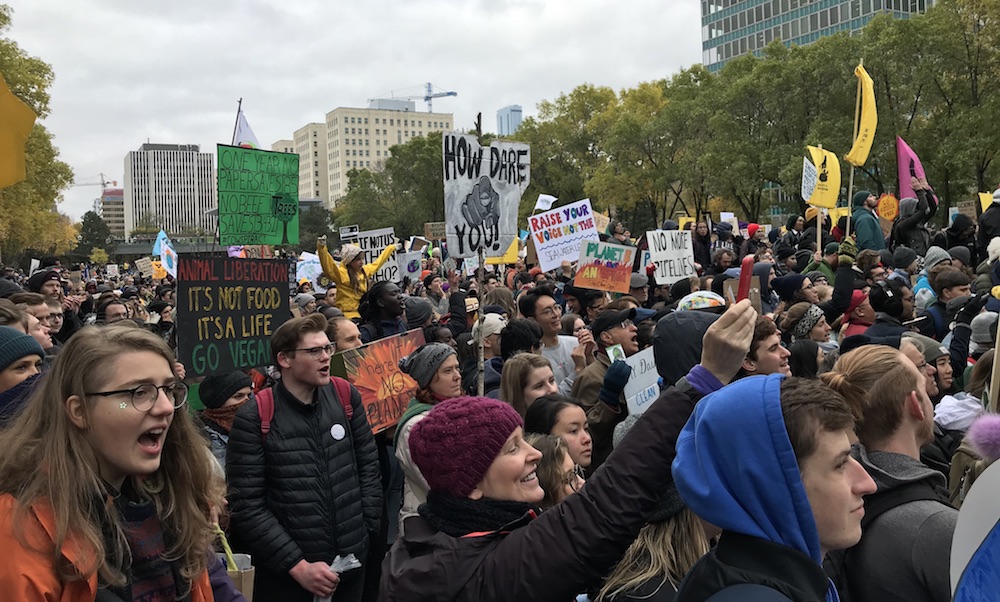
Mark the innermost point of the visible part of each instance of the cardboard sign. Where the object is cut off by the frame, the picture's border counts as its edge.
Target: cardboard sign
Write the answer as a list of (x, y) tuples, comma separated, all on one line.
[(482, 192), (373, 242), (730, 289), (145, 265), (374, 370), (601, 222), (559, 234), (258, 197), (642, 387), (227, 310), (436, 230), (605, 266), (672, 254), (111, 270)]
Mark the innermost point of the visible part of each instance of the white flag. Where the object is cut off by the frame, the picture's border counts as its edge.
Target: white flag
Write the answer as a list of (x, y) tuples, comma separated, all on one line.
[(808, 179), (244, 135), (544, 202)]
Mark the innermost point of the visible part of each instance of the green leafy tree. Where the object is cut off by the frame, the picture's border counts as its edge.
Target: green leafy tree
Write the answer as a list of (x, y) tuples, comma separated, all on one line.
[(98, 256), (94, 233), (314, 222)]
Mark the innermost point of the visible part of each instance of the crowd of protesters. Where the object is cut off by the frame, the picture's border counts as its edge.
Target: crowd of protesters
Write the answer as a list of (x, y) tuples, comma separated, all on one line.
[(858, 378)]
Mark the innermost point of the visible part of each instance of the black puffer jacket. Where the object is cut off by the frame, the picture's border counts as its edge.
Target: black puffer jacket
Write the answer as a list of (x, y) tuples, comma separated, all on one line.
[(304, 493), (562, 552)]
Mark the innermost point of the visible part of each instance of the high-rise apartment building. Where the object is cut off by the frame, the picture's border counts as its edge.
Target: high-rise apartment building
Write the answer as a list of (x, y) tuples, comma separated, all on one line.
[(170, 186), (310, 145), (283, 146), (732, 28), (112, 211), (508, 120), (360, 138)]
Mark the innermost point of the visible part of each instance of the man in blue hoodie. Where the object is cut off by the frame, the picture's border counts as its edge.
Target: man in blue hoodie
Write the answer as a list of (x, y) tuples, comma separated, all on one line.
[(768, 460)]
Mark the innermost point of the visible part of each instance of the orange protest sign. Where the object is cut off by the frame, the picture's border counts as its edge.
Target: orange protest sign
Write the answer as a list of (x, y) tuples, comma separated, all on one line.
[(888, 207)]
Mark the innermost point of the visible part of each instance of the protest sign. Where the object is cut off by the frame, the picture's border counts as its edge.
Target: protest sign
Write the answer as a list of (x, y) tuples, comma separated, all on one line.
[(730, 289), (644, 260), (436, 230), (482, 192), (509, 257), (349, 233), (809, 175), (604, 266), (158, 272), (145, 265), (373, 242), (976, 540), (111, 270), (76, 276), (374, 370), (471, 265), (642, 387), (258, 197), (558, 234), (601, 222), (308, 267), (671, 252), (409, 265), (730, 218), (227, 310)]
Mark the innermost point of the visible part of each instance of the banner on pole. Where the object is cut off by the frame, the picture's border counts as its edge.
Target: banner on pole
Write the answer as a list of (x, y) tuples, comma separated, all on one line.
[(827, 188), (867, 122)]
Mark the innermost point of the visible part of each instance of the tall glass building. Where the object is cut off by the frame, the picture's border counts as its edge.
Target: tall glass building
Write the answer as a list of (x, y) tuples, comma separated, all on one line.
[(732, 28)]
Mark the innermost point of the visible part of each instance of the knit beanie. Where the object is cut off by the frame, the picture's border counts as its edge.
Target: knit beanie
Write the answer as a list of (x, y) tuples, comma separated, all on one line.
[(786, 286), (14, 345), (803, 257), (429, 279), (349, 253), (8, 288), (860, 197), (935, 255), (962, 254), (784, 252), (903, 257), (423, 363), (217, 388), (808, 321), (752, 229), (815, 275), (39, 278), (418, 310), (303, 299), (857, 298), (930, 348), (981, 326), (455, 444)]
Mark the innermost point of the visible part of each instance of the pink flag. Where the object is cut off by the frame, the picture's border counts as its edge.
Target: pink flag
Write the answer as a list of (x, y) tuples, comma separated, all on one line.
[(909, 166)]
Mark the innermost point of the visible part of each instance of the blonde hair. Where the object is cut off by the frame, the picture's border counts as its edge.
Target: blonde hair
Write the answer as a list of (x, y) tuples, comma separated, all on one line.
[(514, 378), (182, 489), (856, 372), (665, 550), (549, 470)]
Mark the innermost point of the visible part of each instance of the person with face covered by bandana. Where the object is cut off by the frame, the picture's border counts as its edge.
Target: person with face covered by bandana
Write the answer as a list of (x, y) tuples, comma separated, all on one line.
[(222, 395)]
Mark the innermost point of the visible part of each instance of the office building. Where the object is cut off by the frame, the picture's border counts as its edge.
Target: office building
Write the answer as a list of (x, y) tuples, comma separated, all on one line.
[(361, 138), (112, 211), (310, 145), (732, 28), (170, 186), (508, 120), (283, 146)]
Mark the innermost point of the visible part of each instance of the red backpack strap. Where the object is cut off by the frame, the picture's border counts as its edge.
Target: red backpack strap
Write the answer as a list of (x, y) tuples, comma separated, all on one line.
[(265, 407), (343, 388)]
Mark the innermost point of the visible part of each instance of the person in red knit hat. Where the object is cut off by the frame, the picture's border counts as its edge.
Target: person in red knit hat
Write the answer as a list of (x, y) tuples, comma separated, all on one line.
[(755, 241)]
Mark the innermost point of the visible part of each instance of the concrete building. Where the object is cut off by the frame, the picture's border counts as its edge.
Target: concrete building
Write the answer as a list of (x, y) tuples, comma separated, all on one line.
[(361, 138), (170, 186), (310, 145), (112, 204), (732, 28), (283, 146), (508, 120)]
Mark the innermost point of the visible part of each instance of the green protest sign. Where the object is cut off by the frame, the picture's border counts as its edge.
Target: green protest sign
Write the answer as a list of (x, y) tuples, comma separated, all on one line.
[(258, 197)]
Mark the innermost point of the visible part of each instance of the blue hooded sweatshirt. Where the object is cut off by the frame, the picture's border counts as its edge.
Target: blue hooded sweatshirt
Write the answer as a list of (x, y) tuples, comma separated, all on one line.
[(735, 467)]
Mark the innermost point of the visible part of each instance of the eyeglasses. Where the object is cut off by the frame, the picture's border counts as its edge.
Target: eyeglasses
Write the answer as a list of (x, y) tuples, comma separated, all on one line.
[(549, 312), (624, 324), (575, 478), (145, 395), (317, 352)]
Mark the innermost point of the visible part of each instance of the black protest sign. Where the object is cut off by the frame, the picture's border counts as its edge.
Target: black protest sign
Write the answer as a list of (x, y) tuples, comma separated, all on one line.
[(227, 310)]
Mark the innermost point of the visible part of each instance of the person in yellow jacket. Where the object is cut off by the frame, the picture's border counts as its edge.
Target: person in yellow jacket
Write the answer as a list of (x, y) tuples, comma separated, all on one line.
[(352, 275), (106, 488)]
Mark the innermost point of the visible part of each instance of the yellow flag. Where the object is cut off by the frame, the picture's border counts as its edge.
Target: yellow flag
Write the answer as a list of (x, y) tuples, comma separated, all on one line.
[(827, 178), (868, 121), (985, 200)]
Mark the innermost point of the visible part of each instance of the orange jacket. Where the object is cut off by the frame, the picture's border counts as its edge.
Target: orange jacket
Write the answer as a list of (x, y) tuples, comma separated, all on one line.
[(29, 576)]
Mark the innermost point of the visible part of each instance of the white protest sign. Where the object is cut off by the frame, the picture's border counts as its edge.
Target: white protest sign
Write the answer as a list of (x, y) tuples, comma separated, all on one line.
[(308, 267), (671, 252), (808, 178), (975, 543), (471, 265), (643, 261), (482, 192), (373, 242), (145, 265), (409, 265), (111, 270), (558, 234), (642, 387)]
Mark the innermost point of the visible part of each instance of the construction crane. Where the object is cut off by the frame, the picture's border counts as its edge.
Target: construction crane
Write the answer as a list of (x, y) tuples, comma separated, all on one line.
[(428, 97), (103, 183)]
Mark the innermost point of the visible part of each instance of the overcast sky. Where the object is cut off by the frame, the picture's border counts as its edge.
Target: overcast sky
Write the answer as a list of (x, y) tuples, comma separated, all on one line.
[(172, 71)]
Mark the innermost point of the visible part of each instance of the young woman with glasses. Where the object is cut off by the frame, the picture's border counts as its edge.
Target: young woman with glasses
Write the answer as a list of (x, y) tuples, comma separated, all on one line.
[(557, 475), (106, 486)]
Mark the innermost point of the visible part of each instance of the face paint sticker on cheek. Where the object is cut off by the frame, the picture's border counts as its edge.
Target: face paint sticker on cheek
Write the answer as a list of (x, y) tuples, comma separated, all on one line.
[(337, 431)]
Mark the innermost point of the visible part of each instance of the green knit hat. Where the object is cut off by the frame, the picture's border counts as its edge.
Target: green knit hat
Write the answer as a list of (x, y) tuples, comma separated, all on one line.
[(14, 345)]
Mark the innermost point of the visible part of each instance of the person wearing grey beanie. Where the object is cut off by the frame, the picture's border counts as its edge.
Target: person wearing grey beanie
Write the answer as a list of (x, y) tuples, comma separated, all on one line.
[(419, 312), (306, 303), (20, 357), (435, 369)]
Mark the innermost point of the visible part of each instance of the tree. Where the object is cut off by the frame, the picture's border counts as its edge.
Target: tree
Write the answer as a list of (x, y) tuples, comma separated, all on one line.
[(93, 233), (30, 217), (314, 222), (98, 256)]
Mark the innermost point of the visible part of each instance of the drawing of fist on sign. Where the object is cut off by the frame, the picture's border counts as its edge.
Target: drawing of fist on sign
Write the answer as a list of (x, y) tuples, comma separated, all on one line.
[(482, 192)]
